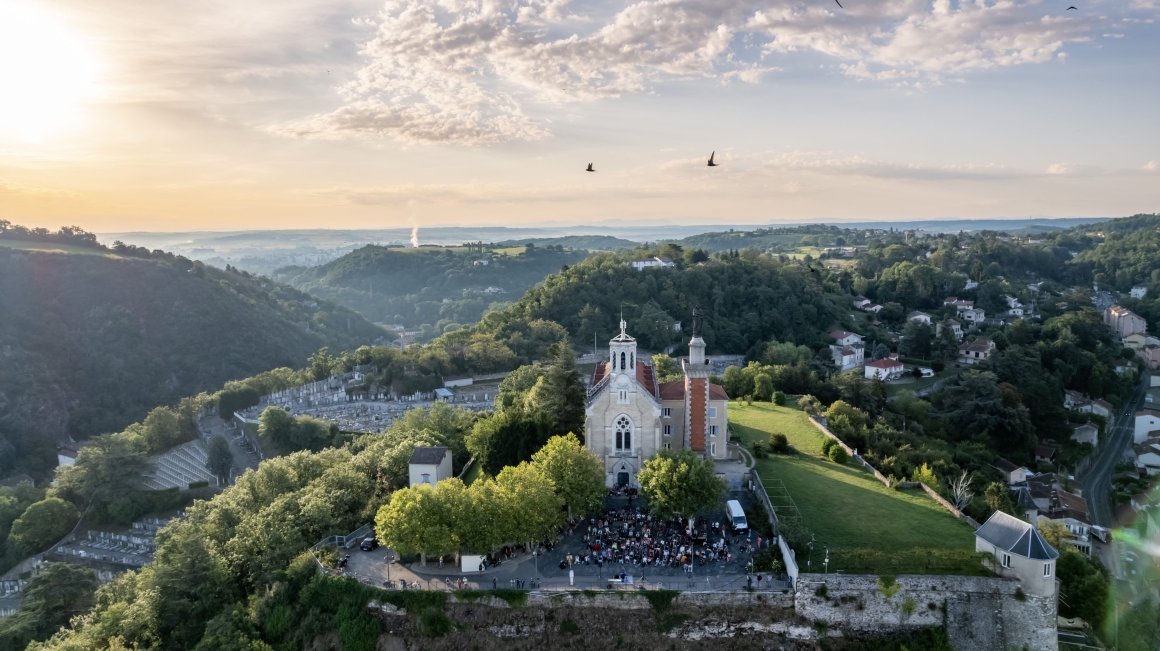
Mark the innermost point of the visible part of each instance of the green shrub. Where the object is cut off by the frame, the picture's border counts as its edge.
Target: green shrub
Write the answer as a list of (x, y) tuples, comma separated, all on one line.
[(357, 630), (661, 600), (822, 591), (838, 455), (779, 398), (1020, 595), (198, 484), (827, 444), (514, 598), (432, 622), (932, 638), (888, 585), (779, 444)]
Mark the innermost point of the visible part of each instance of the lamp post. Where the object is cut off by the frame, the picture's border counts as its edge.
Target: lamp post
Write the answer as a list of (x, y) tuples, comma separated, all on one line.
[(827, 563)]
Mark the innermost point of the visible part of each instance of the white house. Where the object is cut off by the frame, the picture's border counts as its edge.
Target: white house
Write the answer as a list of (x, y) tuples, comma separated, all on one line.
[(1073, 399), (1012, 302), (1020, 552), (1147, 421), (849, 352), (974, 352), (430, 465), (974, 315), (1123, 366), (1085, 433), (918, 317), (861, 302), (971, 284), (956, 328), (1012, 473), (66, 455), (887, 368), (1099, 407), (1139, 291), (655, 261), (1148, 457)]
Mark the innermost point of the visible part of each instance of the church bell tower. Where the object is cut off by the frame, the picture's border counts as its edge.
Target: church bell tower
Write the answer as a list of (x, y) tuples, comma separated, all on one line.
[(697, 371)]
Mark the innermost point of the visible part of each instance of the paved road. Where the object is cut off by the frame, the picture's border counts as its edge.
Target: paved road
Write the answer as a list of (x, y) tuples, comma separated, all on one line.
[(1097, 481)]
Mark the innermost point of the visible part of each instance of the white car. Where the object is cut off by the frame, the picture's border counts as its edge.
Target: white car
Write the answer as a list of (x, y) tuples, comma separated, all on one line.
[(926, 372)]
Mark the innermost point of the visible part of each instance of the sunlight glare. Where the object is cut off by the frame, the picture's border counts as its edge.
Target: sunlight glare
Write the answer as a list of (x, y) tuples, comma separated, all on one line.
[(47, 73)]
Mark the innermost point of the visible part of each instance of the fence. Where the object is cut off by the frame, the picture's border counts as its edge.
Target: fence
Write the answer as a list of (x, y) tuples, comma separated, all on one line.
[(590, 583), (347, 541), (886, 482)]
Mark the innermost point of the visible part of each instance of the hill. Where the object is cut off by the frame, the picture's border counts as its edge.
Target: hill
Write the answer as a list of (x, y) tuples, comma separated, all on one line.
[(587, 242), (429, 285), (91, 342)]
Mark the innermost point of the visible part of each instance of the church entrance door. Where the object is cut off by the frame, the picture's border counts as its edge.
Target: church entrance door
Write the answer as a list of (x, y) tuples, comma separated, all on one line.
[(622, 479)]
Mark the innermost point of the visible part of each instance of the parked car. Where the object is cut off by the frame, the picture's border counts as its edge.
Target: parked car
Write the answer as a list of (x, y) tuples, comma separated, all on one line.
[(369, 544), (736, 516), (926, 372)]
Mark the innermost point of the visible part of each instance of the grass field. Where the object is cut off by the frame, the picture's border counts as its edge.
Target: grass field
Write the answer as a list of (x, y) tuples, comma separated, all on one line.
[(473, 473), (867, 527)]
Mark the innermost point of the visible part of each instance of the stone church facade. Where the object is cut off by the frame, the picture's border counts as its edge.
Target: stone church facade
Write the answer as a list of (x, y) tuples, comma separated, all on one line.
[(630, 416)]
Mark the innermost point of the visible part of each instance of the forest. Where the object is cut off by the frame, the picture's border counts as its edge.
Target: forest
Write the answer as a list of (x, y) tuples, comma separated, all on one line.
[(90, 343), (443, 287)]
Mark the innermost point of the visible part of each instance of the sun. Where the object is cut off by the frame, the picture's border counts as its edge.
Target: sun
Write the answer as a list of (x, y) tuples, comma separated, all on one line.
[(48, 72)]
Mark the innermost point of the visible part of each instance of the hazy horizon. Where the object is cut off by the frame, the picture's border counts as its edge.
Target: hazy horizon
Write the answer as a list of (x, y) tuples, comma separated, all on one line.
[(219, 115)]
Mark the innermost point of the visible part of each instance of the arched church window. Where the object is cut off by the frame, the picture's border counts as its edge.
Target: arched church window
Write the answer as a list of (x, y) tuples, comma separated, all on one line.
[(623, 433), (622, 367)]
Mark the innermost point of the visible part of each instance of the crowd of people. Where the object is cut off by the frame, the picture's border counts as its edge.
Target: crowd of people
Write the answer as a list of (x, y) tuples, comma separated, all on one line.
[(632, 536)]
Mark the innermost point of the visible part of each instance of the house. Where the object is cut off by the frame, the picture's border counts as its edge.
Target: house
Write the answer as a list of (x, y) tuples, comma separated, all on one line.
[(1045, 452), (16, 480), (1015, 312), (1151, 355), (955, 326), (973, 315), (1137, 340), (873, 308), (1071, 511), (1035, 287), (457, 381), (1124, 321), (430, 465), (1073, 399), (1099, 407), (974, 352), (861, 302), (495, 290), (1123, 366), (1012, 302), (1044, 484), (66, 455), (887, 368), (655, 261), (849, 352), (1148, 457), (1139, 291), (1147, 421), (1085, 433), (1025, 502), (481, 263), (1020, 552), (970, 284), (1012, 473), (919, 317)]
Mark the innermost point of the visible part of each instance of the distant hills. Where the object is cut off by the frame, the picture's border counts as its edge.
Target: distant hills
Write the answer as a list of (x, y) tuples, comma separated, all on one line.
[(92, 338), (438, 286)]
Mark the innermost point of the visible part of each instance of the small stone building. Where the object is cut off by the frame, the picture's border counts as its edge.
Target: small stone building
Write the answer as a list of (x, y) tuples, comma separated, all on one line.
[(1020, 552)]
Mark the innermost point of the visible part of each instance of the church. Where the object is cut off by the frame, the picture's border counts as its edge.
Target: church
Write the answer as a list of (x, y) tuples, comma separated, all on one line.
[(630, 416)]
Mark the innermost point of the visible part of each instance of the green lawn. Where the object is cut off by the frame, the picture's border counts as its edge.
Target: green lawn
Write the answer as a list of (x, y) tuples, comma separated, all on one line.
[(473, 473), (867, 527)]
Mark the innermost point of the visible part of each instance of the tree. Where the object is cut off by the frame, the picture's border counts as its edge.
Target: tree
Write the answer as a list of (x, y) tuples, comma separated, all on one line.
[(977, 404), (219, 458), (321, 364), (560, 393), (667, 369), (515, 387), (162, 430), (416, 520), (576, 473), (654, 328), (916, 339), (960, 490), (924, 475), (1084, 587), (531, 508), (736, 382), (56, 594), (945, 345), (998, 498), (42, 524), (275, 424), (881, 351), (1053, 532), (110, 467), (683, 484), (507, 438), (762, 387)]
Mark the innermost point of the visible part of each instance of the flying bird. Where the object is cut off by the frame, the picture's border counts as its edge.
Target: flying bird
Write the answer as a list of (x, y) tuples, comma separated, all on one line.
[(1070, 8), (589, 168), (839, 4), (711, 163)]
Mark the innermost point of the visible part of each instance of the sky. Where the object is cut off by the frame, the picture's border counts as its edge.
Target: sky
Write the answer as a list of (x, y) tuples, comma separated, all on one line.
[(240, 114)]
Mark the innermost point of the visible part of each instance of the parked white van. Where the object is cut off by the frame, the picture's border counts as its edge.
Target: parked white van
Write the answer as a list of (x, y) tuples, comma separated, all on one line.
[(736, 516)]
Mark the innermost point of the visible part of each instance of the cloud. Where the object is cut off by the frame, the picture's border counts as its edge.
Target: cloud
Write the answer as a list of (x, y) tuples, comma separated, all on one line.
[(463, 71)]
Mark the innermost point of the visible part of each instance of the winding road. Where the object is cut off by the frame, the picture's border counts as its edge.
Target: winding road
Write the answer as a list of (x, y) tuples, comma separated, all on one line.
[(1097, 481)]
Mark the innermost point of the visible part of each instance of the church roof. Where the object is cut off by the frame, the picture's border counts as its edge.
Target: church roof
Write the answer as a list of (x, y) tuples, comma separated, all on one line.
[(645, 376), (675, 390)]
